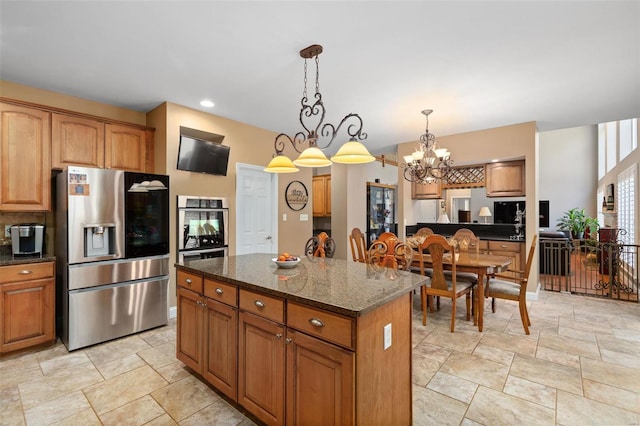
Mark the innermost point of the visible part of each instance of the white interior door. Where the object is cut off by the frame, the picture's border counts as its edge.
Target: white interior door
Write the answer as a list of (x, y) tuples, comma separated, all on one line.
[(256, 210)]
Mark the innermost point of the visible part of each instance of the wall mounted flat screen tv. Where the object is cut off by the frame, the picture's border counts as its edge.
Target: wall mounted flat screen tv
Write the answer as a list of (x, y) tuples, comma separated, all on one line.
[(505, 212), (203, 156)]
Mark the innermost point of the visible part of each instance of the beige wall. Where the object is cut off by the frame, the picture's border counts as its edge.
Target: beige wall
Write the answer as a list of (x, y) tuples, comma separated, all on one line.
[(518, 141)]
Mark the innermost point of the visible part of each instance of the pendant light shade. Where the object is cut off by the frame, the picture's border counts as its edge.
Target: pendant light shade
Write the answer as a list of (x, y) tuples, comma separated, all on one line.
[(312, 157), (281, 164), (353, 152)]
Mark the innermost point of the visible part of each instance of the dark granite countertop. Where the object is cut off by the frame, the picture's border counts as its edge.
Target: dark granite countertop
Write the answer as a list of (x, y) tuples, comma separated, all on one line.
[(7, 259), (337, 285)]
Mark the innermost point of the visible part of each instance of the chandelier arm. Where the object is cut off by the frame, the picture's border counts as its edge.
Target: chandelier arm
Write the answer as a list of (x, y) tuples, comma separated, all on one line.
[(296, 142), (354, 130)]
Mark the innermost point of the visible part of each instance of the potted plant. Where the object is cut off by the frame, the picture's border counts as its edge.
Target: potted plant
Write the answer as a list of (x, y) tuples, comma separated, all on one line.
[(576, 221)]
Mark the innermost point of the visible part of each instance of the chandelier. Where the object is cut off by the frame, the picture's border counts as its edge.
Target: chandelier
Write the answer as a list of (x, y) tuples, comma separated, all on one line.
[(310, 142), (428, 163)]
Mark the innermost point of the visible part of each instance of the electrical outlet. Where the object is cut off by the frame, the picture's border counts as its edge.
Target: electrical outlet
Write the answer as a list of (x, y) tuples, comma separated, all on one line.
[(7, 231), (387, 336)]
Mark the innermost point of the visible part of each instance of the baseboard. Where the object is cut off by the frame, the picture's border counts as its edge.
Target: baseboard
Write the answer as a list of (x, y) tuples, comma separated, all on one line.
[(173, 312), (533, 295)]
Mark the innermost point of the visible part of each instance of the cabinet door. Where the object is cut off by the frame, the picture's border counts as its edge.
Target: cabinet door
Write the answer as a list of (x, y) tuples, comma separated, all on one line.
[(76, 141), (26, 314), (189, 329), (508, 249), (125, 148), (425, 191), (327, 196), (25, 158), (318, 187), (261, 368), (505, 179), (320, 382), (221, 350)]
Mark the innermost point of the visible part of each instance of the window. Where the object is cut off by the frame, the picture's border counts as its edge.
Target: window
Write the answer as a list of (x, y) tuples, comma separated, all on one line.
[(628, 136), (611, 139), (627, 196)]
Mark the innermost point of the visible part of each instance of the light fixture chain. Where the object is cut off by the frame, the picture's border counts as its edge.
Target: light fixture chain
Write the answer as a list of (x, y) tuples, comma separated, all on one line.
[(304, 92), (317, 75)]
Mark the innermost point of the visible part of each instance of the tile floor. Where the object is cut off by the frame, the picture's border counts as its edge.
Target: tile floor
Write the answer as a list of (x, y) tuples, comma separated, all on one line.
[(580, 365)]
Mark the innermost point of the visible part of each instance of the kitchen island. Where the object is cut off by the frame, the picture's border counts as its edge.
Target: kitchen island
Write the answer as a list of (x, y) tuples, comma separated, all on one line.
[(325, 342)]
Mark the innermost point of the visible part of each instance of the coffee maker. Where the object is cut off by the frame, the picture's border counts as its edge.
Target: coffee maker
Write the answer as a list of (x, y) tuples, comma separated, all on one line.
[(27, 239)]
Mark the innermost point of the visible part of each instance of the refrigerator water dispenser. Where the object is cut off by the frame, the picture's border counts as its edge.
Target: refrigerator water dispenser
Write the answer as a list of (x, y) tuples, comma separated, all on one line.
[(99, 240)]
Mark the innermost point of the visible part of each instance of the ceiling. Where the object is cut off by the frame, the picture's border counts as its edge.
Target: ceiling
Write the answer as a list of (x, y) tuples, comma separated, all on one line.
[(477, 64)]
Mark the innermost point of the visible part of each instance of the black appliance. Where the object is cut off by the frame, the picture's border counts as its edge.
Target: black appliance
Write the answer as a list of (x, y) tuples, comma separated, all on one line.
[(146, 214), (203, 227), (381, 211), (505, 212)]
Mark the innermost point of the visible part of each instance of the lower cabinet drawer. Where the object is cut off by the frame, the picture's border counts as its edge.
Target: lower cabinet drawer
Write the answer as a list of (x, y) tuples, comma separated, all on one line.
[(266, 306), (504, 246), (26, 272), (325, 325), (193, 282), (222, 292)]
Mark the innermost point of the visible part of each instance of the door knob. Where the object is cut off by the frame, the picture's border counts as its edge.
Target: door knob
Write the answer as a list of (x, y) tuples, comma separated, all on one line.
[(268, 237)]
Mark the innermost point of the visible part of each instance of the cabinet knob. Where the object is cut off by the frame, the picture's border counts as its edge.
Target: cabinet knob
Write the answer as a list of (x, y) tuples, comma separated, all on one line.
[(316, 322), (278, 335), (219, 291), (188, 281), (259, 303), (26, 272), (288, 340)]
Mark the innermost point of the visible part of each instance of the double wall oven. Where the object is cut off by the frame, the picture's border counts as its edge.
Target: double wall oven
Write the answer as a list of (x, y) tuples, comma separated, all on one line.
[(203, 227)]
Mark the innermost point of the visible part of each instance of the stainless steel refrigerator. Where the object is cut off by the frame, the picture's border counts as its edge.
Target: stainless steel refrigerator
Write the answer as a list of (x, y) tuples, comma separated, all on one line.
[(112, 251)]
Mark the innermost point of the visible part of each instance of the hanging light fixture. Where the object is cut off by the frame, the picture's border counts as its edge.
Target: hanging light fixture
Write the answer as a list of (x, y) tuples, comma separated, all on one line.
[(427, 163), (308, 143)]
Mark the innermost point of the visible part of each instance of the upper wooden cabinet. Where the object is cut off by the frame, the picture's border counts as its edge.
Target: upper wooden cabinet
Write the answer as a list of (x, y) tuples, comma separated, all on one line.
[(76, 141), (505, 179), (321, 188), (25, 155), (125, 148), (426, 191)]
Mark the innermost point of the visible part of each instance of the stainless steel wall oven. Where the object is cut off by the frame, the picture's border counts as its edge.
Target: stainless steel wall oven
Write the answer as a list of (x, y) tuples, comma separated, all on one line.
[(203, 227)]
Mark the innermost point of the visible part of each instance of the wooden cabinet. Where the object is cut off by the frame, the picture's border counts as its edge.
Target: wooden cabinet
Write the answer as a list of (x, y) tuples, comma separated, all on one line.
[(27, 305), (125, 148), (512, 249), (297, 364), (426, 191), (320, 382), (321, 188), (25, 159), (505, 179), (207, 329), (76, 141)]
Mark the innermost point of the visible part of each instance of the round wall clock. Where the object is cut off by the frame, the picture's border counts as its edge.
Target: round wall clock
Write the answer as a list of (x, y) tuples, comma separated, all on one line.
[(296, 195)]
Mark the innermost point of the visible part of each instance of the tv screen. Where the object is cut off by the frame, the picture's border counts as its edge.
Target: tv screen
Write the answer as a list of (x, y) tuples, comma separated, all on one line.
[(195, 155), (505, 212)]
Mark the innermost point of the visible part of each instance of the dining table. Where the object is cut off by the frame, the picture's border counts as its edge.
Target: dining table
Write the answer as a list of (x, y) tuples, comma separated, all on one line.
[(482, 264)]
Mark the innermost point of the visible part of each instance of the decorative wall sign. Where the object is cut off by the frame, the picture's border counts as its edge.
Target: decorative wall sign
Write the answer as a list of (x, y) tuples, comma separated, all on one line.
[(296, 195)]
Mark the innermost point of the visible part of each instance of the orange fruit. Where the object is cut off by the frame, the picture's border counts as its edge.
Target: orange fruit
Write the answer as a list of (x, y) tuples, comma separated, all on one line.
[(281, 258)]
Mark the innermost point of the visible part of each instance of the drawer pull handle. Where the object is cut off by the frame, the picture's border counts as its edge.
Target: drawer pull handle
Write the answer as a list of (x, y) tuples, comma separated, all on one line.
[(503, 246), (219, 291), (188, 281), (259, 303), (26, 272), (316, 322), (278, 335)]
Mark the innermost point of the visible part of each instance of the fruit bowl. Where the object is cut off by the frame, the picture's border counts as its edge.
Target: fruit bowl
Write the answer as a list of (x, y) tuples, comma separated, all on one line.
[(287, 264)]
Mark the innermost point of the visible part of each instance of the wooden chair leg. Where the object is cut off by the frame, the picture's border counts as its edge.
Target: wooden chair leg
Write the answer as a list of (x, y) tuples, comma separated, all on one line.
[(423, 303), (453, 313), (493, 305), (524, 317), (468, 300)]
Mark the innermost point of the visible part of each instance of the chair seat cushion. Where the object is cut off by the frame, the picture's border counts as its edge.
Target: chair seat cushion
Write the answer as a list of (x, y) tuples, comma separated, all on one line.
[(460, 285), (502, 287), (460, 276)]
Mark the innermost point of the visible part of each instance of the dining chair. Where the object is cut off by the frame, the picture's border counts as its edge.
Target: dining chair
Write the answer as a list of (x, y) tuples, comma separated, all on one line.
[(390, 252), (465, 240), (513, 288), (441, 285), (358, 245), (320, 246)]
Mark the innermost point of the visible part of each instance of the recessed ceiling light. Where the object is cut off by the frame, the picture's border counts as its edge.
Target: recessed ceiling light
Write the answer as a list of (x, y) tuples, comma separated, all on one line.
[(207, 103)]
